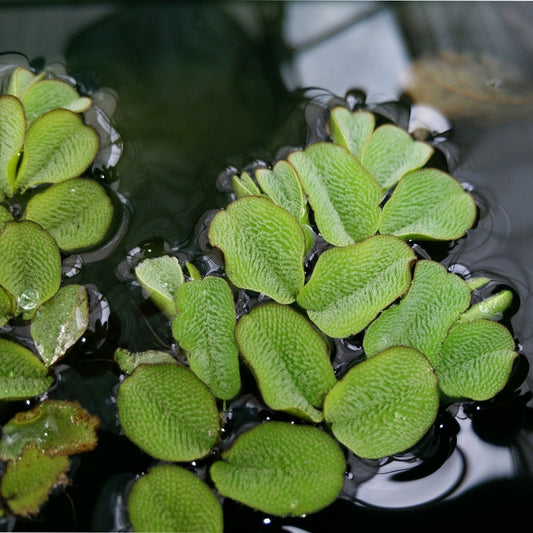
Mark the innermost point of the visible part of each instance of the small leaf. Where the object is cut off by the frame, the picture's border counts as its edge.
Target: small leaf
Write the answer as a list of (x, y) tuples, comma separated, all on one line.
[(22, 374), (21, 79), (477, 283), (244, 185), (31, 265), (391, 152), (423, 318), (476, 360), (12, 132), (385, 404), (428, 204), (349, 286), (170, 498), (58, 146), (28, 480), (204, 328), (289, 359), (281, 469), (129, 361), (45, 95), (77, 213), (57, 427), (168, 412), (351, 129), (263, 246), (345, 198), (60, 322), (161, 277), (492, 308)]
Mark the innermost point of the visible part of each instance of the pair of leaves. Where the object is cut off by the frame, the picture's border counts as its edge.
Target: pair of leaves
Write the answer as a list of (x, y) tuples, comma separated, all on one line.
[(37, 445)]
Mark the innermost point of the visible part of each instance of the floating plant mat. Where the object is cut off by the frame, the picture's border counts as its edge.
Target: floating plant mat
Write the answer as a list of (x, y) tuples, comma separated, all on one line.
[(246, 405)]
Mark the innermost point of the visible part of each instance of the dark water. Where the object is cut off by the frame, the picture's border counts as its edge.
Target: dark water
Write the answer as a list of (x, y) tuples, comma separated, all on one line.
[(199, 89)]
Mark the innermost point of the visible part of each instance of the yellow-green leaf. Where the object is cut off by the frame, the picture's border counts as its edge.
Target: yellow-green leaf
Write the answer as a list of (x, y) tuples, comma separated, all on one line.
[(351, 129)]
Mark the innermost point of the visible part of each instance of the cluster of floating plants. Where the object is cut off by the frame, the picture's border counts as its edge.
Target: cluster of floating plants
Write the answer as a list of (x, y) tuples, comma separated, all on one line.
[(48, 209), (322, 243), (319, 247)]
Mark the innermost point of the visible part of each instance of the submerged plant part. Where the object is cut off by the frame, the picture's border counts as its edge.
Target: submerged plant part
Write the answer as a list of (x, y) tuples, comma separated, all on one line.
[(319, 247)]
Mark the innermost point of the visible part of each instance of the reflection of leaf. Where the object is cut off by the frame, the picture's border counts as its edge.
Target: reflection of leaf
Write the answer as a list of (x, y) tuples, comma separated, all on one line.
[(29, 479), (170, 498), (282, 469), (385, 404), (289, 359), (463, 86)]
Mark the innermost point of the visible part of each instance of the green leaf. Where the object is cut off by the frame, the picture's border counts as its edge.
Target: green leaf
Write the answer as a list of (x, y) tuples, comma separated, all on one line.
[(170, 498), (45, 95), (244, 185), (60, 322), (12, 132), (477, 283), (423, 318), (204, 328), (428, 204), (57, 427), (22, 374), (351, 129), (31, 265), (161, 277), (168, 412), (345, 198), (476, 360), (58, 146), (385, 404), (129, 361), (21, 79), (77, 213), (289, 359), (391, 152), (492, 308), (5, 216), (8, 306), (28, 480), (349, 286), (263, 247), (281, 469)]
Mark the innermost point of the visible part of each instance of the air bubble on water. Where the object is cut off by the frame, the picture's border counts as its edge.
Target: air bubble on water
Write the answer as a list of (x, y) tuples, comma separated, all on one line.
[(28, 300)]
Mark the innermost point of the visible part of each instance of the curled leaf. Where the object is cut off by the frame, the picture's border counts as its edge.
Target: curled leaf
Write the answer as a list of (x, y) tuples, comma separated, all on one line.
[(349, 286), (282, 469), (491, 308), (129, 361), (244, 185), (263, 247), (351, 129), (289, 359), (204, 328), (385, 404)]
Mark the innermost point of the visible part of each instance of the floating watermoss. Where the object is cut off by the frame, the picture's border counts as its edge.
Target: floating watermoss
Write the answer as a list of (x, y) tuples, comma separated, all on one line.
[(129, 361)]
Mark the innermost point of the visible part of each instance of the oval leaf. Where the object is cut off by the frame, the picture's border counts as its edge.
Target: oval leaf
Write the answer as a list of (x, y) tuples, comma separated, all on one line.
[(28, 480), (423, 318), (12, 132), (168, 412), (289, 359), (129, 361), (349, 286), (77, 213), (170, 498), (282, 469), (60, 322), (45, 95), (57, 427), (22, 374), (58, 146), (31, 265), (351, 129), (476, 360), (263, 247), (204, 328), (391, 152), (428, 204), (385, 404), (161, 277), (345, 198)]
